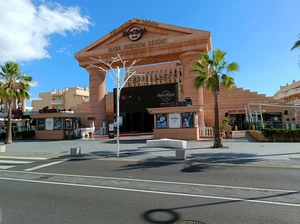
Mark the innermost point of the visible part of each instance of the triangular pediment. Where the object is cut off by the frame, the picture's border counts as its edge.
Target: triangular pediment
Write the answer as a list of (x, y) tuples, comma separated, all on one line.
[(136, 34)]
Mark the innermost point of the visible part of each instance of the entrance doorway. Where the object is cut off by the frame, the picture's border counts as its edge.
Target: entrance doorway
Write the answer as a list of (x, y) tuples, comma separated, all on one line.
[(137, 122), (239, 121)]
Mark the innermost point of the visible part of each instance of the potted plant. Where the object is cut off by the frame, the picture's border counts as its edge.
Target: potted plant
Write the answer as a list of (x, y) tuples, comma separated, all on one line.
[(228, 128), (91, 119), (222, 130)]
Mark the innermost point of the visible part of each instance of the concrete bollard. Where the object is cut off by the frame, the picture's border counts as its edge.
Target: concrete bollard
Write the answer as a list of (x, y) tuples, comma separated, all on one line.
[(180, 154), (2, 148), (75, 151)]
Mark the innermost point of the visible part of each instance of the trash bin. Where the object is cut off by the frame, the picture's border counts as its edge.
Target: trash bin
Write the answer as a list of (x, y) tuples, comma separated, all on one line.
[(111, 134)]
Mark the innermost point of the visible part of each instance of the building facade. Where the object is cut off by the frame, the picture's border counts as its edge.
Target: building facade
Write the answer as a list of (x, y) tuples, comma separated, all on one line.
[(164, 54), (61, 99)]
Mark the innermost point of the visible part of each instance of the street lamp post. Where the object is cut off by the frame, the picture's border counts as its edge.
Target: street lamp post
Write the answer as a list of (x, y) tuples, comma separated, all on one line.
[(119, 88)]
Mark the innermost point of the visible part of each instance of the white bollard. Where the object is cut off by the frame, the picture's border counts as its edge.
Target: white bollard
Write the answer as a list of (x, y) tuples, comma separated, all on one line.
[(75, 151), (2, 148)]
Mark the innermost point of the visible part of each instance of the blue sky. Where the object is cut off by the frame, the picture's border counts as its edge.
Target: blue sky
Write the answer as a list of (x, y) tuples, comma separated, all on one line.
[(43, 36)]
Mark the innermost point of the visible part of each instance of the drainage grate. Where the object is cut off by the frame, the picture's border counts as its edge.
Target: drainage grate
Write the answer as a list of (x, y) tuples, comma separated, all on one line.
[(189, 222), (44, 177)]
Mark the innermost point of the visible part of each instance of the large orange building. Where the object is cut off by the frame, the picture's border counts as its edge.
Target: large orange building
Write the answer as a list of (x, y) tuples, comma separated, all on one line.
[(165, 54)]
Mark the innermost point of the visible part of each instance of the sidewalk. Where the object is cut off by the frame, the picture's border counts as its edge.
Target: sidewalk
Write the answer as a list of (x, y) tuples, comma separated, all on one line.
[(241, 151)]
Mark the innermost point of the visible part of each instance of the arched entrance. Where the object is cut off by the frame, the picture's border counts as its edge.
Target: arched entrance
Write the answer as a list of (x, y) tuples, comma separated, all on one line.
[(151, 42)]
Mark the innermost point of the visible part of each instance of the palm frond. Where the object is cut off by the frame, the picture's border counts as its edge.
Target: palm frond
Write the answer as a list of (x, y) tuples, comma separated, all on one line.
[(227, 81), (296, 45), (233, 67)]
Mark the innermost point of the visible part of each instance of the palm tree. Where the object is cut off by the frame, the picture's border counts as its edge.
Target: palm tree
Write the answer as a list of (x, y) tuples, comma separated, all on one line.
[(14, 87), (210, 74), (296, 45)]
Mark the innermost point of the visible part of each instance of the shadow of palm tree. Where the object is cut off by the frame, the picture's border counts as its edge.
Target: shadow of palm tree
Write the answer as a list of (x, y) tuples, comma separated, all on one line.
[(227, 158), (174, 216), (198, 162)]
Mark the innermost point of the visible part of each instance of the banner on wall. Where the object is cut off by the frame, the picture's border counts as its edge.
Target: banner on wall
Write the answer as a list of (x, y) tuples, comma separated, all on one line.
[(174, 120)]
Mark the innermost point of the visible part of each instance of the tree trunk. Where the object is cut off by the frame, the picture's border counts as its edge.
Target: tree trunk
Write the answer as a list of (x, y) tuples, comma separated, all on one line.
[(8, 139), (217, 134)]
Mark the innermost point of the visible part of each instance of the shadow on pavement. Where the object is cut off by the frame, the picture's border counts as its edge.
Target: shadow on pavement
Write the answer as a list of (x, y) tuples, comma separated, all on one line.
[(171, 216), (197, 162)]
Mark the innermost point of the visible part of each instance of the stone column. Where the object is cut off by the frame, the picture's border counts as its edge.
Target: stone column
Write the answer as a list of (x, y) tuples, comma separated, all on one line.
[(189, 90), (97, 103)]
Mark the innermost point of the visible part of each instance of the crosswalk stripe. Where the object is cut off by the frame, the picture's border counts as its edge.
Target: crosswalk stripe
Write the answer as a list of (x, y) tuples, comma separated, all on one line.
[(4, 167), (14, 162), (23, 158)]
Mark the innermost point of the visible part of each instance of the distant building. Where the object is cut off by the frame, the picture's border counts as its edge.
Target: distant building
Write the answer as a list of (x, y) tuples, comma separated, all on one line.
[(289, 93), (61, 99)]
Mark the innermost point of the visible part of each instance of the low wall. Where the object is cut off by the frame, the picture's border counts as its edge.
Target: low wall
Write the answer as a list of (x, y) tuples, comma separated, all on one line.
[(177, 133)]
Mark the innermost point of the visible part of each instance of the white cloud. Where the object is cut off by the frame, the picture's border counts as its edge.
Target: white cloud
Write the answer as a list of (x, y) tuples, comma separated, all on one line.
[(26, 28), (64, 50)]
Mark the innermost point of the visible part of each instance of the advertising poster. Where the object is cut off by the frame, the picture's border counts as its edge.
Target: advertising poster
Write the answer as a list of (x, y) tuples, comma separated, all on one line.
[(174, 120), (57, 123), (188, 120), (41, 124), (49, 124), (161, 121)]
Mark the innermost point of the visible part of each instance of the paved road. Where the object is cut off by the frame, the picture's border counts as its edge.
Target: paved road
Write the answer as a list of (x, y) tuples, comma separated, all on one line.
[(104, 191), (241, 151), (41, 181)]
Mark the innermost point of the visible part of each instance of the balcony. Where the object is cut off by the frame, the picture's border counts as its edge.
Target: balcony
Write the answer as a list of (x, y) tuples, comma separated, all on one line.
[(57, 92), (56, 102), (287, 94)]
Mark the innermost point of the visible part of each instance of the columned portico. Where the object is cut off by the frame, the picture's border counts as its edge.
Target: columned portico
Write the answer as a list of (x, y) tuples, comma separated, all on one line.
[(187, 58), (149, 43), (97, 104)]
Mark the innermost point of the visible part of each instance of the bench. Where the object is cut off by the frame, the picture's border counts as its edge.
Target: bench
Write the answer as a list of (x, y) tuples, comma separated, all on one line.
[(166, 143), (179, 145)]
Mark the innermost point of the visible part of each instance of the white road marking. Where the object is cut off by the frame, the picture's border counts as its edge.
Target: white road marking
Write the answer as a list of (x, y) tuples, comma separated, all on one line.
[(155, 192), (3, 167), (46, 165), (155, 181), (19, 157), (14, 162)]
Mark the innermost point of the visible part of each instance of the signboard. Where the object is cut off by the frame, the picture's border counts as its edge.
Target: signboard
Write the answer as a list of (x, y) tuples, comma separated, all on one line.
[(237, 111), (110, 127), (139, 98), (49, 124), (174, 120)]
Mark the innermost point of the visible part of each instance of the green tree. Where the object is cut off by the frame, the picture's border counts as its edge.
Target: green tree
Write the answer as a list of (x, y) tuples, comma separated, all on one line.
[(13, 88), (210, 74)]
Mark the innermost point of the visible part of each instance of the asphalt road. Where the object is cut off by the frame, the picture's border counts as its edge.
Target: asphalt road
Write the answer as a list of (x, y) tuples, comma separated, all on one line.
[(103, 191)]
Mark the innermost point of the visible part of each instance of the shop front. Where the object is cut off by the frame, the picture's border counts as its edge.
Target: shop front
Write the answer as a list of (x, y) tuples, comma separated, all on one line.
[(176, 122), (56, 126), (134, 102)]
